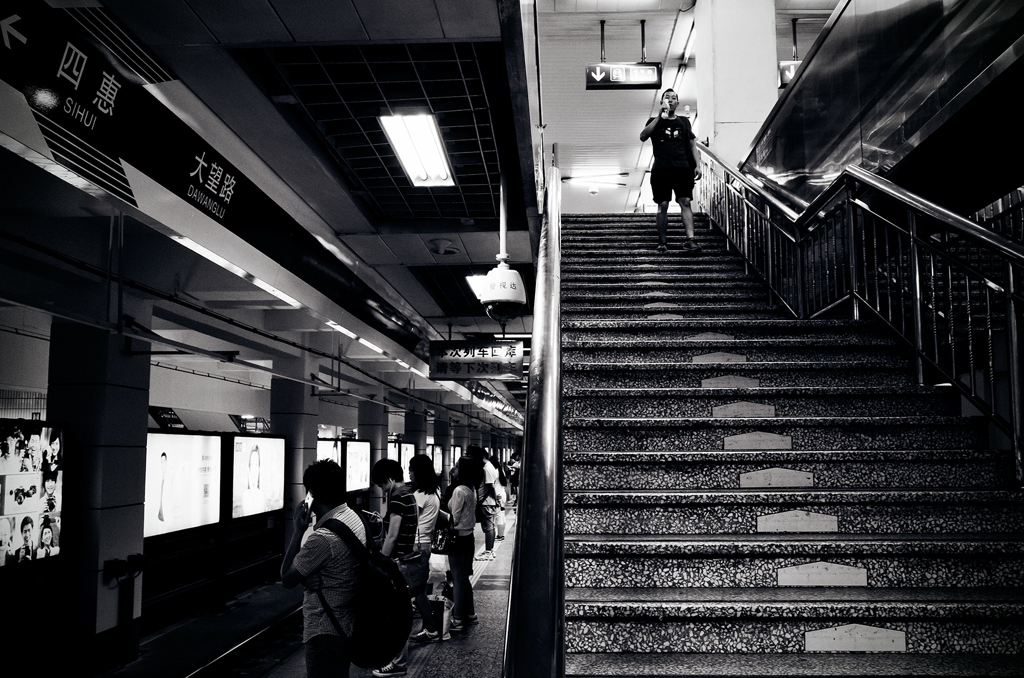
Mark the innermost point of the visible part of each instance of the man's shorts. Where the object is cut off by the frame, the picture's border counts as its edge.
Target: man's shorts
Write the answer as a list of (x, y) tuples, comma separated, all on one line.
[(488, 515), (666, 181)]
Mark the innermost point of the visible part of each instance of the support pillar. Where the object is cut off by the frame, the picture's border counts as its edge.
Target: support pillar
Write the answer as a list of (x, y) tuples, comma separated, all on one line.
[(737, 73), (461, 439), (99, 392), (443, 440), (373, 426), (294, 412), (476, 437), (416, 432)]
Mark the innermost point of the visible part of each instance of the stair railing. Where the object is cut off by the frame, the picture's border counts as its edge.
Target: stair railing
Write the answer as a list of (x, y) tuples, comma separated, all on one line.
[(535, 631), (950, 288)]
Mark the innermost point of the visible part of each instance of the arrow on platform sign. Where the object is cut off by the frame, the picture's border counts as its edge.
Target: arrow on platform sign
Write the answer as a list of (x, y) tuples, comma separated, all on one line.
[(5, 28), (598, 73)]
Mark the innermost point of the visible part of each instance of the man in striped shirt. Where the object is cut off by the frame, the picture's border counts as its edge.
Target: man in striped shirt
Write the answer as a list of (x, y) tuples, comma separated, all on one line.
[(401, 522), (324, 562)]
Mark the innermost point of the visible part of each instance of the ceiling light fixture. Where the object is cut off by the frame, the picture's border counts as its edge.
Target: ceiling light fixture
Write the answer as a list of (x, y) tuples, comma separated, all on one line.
[(347, 332), (416, 140), (370, 346)]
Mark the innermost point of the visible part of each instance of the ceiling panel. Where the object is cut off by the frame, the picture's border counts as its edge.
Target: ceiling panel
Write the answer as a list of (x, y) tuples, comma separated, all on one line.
[(241, 21), (320, 20), (162, 22), (371, 249), (400, 19)]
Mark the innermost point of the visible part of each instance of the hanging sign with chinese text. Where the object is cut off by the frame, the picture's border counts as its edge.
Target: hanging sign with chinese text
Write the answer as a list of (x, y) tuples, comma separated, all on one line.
[(640, 75), (479, 360)]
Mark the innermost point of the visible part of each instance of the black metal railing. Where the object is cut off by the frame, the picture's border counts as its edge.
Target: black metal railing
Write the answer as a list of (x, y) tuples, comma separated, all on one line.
[(535, 631), (950, 288)]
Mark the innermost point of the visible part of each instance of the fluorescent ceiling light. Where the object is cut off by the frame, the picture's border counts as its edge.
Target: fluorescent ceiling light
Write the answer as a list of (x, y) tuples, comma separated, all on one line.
[(267, 287), (209, 255), (478, 283), (416, 140), (347, 332), (402, 363), (413, 369), (370, 346)]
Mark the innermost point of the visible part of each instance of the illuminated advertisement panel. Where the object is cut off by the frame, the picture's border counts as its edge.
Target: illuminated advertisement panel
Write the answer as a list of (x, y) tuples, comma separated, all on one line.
[(31, 488), (393, 451), (408, 451), (258, 478), (328, 449), (357, 467), (182, 482)]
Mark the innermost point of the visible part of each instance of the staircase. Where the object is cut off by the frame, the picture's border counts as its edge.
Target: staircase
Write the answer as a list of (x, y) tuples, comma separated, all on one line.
[(752, 495)]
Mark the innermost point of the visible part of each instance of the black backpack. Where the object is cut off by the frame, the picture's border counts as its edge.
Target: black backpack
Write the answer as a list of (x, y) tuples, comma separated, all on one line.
[(383, 615)]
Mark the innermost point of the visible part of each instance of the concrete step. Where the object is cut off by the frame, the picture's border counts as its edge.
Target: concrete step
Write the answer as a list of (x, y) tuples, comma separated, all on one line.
[(648, 292), (725, 265), (747, 433), (627, 354), (757, 511), (655, 310), (934, 621), (823, 469), (793, 560), (766, 402), (724, 665), (734, 328), (750, 374)]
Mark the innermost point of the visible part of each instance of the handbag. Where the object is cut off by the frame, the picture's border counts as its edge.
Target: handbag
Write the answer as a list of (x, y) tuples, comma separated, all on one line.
[(443, 536)]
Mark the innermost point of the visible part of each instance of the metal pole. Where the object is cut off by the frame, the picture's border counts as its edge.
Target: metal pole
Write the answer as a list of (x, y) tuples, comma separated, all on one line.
[(794, 38), (915, 297), (1016, 388), (851, 253), (602, 41), (643, 41)]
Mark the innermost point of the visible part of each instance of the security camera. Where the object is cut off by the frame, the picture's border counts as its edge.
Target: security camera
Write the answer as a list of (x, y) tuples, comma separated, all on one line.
[(503, 294)]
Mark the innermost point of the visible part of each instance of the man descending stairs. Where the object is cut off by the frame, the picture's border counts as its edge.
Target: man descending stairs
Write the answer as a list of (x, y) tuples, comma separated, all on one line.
[(752, 495)]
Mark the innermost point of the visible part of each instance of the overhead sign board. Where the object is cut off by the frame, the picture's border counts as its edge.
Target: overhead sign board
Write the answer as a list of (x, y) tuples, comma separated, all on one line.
[(476, 360), (615, 75)]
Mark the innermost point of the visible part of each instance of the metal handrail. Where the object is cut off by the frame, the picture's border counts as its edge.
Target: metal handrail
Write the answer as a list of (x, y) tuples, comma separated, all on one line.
[(950, 288), (535, 630)]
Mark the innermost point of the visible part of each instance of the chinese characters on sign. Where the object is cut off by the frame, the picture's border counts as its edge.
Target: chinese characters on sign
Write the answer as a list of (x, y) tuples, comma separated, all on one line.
[(466, 360), (218, 184), (72, 68)]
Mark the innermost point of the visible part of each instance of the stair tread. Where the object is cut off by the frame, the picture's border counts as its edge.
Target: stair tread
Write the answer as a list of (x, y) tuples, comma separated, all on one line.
[(835, 364), (745, 422), (667, 665), (808, 544), (792, 496), (773, 456), (754, 391), (785, 595)]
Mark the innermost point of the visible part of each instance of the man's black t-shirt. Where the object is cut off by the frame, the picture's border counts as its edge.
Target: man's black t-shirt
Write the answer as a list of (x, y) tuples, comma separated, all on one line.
[(671, 139)]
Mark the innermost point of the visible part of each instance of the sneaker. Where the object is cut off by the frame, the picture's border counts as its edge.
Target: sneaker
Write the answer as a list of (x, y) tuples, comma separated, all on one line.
[(391, 669), (456, 624), (425, 636), (690, 246), (501, 538), (471, 620), (486, 555), (662, 247)]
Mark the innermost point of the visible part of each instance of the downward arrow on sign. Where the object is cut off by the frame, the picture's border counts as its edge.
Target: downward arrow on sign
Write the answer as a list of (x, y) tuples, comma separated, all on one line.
[(598, 74)]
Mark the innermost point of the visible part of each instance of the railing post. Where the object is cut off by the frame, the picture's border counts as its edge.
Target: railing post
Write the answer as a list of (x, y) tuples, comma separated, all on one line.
[(915, 297), (1016, 397), (851, 251)]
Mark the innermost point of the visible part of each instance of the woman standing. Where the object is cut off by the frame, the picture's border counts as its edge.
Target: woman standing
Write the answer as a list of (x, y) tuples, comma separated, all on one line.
[(425, 486), (460, 557)]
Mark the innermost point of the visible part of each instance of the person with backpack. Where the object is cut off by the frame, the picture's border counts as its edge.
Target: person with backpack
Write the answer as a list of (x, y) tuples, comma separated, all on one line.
[(486, 500), (402, 524), (327, 564)]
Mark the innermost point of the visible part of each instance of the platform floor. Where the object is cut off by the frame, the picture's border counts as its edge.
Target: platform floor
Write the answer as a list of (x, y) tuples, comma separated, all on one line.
[(182, 649)]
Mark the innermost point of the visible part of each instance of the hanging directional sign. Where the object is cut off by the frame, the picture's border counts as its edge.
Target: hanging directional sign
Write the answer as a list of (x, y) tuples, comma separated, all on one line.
[(640, 75)]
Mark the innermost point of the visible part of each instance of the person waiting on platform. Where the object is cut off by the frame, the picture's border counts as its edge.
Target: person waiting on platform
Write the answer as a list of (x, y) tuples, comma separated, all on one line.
[(460, 555), (402, 521), (675, 167), (487, 498), (501, 495), (324, 562), (424, 481)]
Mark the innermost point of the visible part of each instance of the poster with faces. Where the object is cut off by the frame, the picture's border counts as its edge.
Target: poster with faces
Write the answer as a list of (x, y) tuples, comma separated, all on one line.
[(182, 482), (31, 490), (258, 478)]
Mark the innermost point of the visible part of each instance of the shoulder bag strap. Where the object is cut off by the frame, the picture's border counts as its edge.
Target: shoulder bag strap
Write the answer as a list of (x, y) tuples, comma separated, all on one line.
[(361, 552)]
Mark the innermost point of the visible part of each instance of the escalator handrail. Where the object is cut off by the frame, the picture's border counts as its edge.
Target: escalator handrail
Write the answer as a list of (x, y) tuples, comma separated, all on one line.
[(535, 630), (804, 221)]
